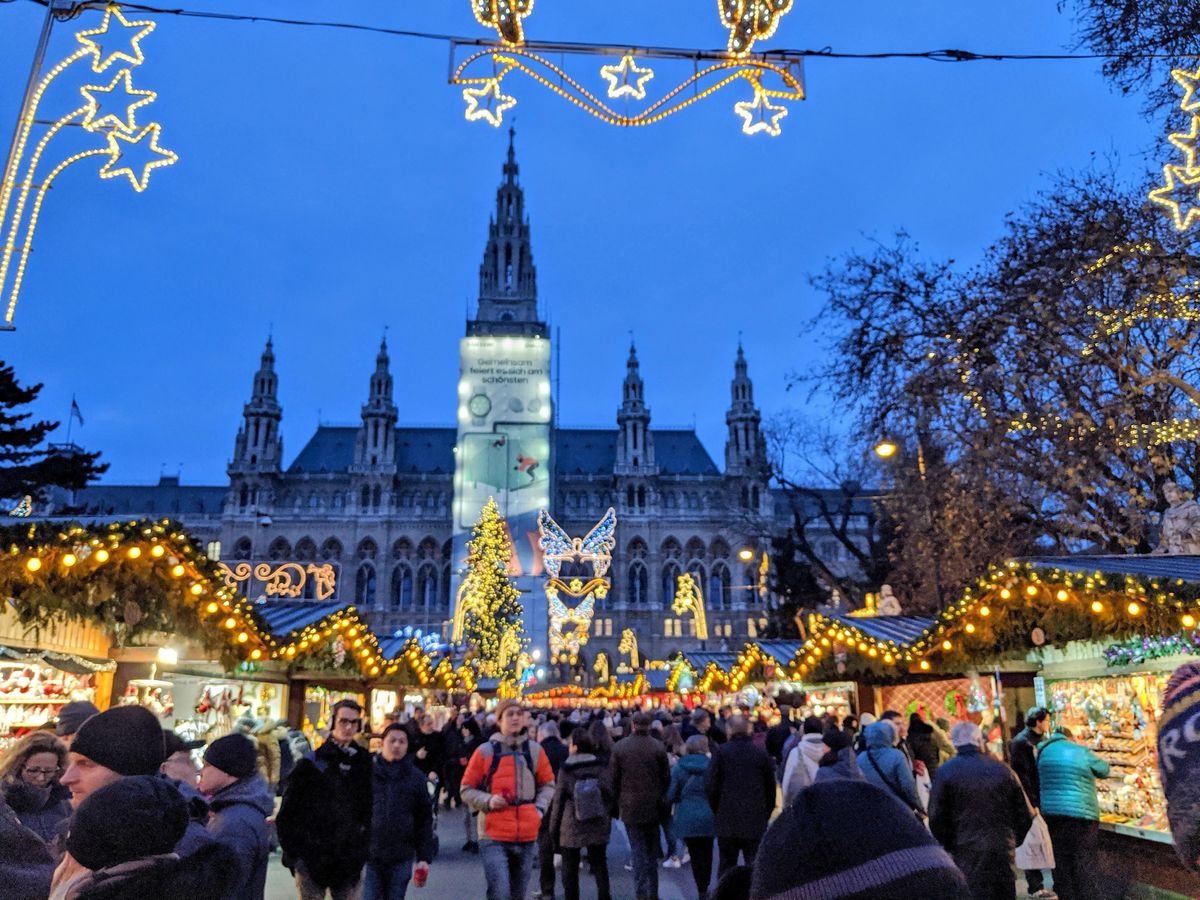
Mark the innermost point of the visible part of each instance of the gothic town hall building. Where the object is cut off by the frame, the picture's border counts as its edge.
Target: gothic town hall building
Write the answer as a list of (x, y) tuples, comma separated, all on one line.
[(375, 499)]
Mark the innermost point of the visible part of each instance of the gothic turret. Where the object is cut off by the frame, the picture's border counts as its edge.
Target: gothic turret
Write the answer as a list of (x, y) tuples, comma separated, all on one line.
[(635, 444), (507, 277), (259, 446), (745, 451), (375, 446)]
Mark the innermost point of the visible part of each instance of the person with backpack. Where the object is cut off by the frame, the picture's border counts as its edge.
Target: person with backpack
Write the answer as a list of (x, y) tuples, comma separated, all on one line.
[(580, 816), (509, 781), (693, 819)]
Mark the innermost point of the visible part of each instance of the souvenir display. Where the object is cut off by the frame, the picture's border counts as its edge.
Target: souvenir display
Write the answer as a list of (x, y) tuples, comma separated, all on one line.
[(1117, 718), (32, 693)]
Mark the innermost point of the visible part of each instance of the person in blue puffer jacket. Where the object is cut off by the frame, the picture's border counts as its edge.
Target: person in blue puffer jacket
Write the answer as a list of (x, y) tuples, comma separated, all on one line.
[(240, 800), (693, 819), (888, 768), (1067, 774)]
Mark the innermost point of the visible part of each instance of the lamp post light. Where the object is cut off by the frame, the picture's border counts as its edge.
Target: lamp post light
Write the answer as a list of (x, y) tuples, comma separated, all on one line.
[(888, 449), (746, 554)]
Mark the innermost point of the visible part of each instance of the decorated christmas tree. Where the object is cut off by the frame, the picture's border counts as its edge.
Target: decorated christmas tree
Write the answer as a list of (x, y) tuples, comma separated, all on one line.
[(492, 624)]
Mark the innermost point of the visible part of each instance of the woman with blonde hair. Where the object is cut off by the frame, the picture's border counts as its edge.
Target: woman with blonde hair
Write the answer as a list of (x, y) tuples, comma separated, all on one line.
[(29, 774)]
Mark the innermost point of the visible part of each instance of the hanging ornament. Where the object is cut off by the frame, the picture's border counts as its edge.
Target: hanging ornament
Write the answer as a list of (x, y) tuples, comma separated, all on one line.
[(626, 78), (132, 613)]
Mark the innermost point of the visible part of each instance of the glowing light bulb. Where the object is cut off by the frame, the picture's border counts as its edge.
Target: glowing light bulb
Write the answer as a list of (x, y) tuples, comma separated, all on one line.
[(1062, 596), (197, 589), (1134, 608), (212, 608), (157, 550), (1097, 606), (1005, 593), (231, 623), (100, 555), (985, 611), (134, 552), (1188, 620), (946, 645), (69, 560), (177, 570), (925, 665), (33, 564)]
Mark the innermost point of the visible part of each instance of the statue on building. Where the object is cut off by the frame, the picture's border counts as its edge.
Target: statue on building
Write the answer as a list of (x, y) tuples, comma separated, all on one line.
[(1180, 530)]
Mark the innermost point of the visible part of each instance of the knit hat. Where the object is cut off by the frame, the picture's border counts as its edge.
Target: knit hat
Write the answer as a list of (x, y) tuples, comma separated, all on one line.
[(849, 839), (173, 743), (128, 819), (1179, 760), (235, 754), (813, 725), (126, 739), (503, 705), (836, 739), (72, 715), (866, 719)]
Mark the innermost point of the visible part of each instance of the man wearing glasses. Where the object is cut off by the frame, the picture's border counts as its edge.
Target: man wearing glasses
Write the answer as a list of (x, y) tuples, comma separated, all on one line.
[(324, 823)]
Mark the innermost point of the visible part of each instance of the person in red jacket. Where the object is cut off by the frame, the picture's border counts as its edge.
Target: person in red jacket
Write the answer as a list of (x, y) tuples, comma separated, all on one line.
[(509, 781)]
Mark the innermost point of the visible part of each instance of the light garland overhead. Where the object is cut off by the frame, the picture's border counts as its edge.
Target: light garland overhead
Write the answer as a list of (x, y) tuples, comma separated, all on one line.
[(1180, 193), (747, 21), (109, 110)]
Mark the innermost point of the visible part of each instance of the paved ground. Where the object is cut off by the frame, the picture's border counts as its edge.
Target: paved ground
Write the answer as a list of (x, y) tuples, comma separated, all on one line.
[(459, 876)]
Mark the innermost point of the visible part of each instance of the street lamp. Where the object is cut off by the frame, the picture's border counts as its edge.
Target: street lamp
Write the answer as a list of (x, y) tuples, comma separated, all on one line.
[(886, 449), (746, 554)]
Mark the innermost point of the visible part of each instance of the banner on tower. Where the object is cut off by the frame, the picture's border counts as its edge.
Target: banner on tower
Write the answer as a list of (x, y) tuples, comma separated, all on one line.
[(503, 447)]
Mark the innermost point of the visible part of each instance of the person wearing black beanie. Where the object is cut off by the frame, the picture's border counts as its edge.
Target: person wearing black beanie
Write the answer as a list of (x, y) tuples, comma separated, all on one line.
[(240, 802), (124, 740), (850, 840)]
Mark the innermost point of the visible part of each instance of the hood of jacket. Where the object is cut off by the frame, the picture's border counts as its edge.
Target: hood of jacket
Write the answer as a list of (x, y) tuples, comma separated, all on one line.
[(693, 763), (391, 771), (811, 747), (578, 764), (509, 742), (880, 735), (251, 791)]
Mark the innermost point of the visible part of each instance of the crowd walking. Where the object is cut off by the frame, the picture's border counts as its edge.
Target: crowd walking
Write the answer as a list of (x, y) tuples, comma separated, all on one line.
[(108, 805)]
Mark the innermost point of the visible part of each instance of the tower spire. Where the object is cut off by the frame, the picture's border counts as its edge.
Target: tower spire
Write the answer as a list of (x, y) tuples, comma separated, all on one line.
[(259, 447), (635, 444), (375, 445), (507, 276), (745, 450)]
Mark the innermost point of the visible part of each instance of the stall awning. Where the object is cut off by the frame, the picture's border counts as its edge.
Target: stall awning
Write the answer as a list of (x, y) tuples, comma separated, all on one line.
[(901, 630), (1164, 565), (284, 617)]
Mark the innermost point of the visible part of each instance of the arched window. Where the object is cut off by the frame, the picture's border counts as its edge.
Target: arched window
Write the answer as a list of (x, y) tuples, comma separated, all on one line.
[(639, 584), (331, 550), (339, 500), (279, 549), (636, 549), (367, 549), (751, 591), (754, 497), (719, 587), (428, 549), (641, 496), (427, 586), (719, 549), (244, 497), (670, 580), (365, 497), (364, 586), (402, 587), (376, 497), (671, 549), (629, 496), (402, 549), (444, 588), (695, 548), (306, 550), (312, 500), (241, 549)]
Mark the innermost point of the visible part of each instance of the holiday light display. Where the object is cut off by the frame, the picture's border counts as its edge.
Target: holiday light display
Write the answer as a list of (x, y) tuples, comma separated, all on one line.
[(689, 598), (284, 580), (115, 40), (571, 625), (489, 601), (747, 21), (629, 644), (1180, 193)]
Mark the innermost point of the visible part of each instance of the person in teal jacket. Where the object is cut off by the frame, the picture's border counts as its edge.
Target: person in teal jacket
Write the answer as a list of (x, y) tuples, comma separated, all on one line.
[(888, 768), (693, 819), (1067, 774)]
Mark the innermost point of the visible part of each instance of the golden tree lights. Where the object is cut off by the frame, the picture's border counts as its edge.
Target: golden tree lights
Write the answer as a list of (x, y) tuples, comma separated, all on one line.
[(747, 21), (109, 110), (490, 603)]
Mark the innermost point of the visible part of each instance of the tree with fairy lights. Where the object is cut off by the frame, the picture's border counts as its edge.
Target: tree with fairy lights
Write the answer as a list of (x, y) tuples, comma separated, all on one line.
[(493, 620)]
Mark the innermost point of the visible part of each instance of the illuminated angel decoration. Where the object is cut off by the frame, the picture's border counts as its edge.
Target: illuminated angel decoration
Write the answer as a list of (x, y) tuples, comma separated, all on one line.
[(570, 626), (750, 20), (596, 547)]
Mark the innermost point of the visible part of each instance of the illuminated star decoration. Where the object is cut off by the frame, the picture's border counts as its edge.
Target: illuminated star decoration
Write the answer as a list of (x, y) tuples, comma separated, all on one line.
[(112, 170), (493, 109), (1189, 81), (134, 99), (1186, 142), (1180, 195), (760, 114), (620, 82), (101, 60)]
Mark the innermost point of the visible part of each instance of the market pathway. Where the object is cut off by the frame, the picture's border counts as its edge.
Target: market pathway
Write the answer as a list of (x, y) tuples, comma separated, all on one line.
[(456, 875)]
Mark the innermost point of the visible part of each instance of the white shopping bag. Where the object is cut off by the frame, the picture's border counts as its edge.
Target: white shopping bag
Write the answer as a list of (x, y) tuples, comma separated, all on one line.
[(1036, 851)]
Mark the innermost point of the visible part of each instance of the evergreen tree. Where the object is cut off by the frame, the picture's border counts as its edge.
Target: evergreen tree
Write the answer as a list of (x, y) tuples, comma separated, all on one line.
[(26, 466), (492, 624)]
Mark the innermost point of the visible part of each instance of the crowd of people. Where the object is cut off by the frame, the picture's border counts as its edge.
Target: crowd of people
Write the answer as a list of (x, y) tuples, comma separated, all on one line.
[(108, 805)]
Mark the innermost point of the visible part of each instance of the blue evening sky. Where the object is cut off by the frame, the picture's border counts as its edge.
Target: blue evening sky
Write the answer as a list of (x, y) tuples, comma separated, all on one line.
[(328, 185)]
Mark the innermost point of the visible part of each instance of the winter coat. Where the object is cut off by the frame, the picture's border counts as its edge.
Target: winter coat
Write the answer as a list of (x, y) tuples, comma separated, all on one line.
[(977, 807), (202, 860), (641, 775), (1067, 774), (842, 765), (166, 877), (800, 767), (740, 784), (556, 751), (26, 866), (402, 813), (693, 815), (238, 822), (921, 744), (886, 767), (1023, 751), (565, 829), (528, 793), (40, 809), (325, 819), (434, 745), (776, 737), (287, 761)]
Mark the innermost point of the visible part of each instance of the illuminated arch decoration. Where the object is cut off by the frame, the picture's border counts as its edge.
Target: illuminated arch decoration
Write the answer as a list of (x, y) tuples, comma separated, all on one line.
[(773, 80), (1180, 193), (689, 598), (110, 110), (570, 625)]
